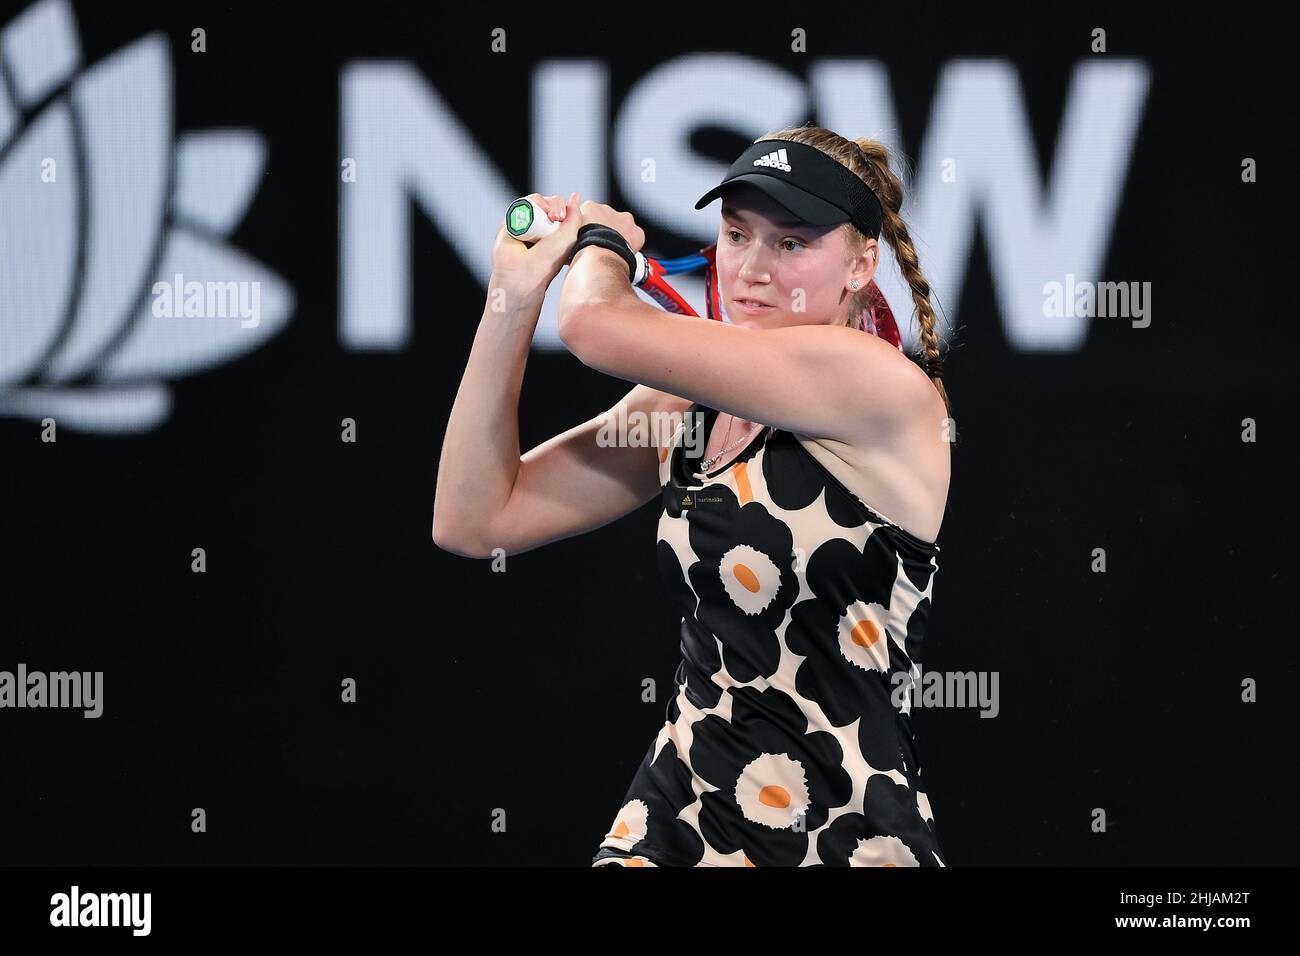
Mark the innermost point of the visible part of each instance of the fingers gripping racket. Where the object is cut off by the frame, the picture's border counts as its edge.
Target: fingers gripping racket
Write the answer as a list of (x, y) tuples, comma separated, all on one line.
[(528, 222)]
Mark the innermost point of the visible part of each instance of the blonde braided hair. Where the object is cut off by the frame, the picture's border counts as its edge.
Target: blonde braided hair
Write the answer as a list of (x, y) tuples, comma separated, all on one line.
[(869, 160)]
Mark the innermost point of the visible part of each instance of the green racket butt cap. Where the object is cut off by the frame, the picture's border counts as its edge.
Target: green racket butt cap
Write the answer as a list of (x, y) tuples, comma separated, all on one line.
[(519, 217)]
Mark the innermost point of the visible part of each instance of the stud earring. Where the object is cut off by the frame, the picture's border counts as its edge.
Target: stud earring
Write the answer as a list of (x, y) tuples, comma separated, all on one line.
[(854, 283)]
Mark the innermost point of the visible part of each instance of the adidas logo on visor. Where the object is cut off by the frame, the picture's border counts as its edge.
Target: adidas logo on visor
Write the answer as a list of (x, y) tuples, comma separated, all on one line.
[(776, 160)]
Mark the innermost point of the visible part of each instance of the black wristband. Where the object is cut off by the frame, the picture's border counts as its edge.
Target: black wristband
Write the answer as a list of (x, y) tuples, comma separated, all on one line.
[(597, 234)]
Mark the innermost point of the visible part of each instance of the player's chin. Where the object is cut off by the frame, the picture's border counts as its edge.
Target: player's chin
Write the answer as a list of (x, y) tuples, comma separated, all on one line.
[(775, 319), (770, 318), (751, 322)]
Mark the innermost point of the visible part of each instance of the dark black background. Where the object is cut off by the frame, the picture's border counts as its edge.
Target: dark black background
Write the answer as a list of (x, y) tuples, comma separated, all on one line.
[(522, 690)]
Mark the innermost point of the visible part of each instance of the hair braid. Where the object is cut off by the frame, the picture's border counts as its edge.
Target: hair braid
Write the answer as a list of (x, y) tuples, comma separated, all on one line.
[(905, 252), (870, 160)]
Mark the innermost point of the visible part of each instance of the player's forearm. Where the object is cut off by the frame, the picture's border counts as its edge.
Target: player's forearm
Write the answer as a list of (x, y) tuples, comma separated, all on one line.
[(480, 450), (596, 277)]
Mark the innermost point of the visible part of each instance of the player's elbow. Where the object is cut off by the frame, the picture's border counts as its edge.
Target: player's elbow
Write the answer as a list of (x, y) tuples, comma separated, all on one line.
[(572, 321), (453, 542)]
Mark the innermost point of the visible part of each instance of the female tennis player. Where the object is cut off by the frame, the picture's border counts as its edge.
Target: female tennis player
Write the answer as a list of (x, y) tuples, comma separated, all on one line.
[(798, 544)]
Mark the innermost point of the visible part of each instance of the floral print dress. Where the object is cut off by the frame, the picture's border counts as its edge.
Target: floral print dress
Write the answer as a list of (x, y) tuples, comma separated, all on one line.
[(789, 741)]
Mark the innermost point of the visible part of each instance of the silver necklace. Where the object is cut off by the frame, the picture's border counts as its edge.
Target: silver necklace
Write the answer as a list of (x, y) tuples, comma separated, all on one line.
[(707, 463)]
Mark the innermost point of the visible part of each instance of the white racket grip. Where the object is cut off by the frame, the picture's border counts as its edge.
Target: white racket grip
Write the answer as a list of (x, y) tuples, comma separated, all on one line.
[(529, 225)]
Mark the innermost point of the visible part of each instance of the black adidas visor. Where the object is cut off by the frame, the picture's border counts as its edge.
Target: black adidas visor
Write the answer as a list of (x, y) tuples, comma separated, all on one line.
[(806, 182)]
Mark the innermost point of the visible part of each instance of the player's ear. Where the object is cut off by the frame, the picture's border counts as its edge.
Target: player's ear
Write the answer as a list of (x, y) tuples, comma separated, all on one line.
[(863, 266)]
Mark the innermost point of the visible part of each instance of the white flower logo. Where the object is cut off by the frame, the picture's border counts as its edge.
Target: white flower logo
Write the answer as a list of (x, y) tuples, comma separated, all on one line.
[(96, 206)]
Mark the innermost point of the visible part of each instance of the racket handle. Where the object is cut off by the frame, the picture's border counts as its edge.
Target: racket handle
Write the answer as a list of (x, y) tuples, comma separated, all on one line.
[(527, 221)]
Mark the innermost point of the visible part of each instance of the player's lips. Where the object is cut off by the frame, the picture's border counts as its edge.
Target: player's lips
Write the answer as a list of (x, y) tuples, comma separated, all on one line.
[(752, 305)]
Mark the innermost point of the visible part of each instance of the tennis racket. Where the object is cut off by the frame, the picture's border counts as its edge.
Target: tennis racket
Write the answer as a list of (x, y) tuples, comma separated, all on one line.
[(528, 222)]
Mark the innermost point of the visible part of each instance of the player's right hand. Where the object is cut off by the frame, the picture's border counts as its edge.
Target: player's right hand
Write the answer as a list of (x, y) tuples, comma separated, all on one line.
[(529, 269)]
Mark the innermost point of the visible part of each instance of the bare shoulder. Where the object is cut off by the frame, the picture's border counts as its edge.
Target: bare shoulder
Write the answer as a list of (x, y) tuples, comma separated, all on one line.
[(902, 468), (657, 413), (660, 411), (643, 398)]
